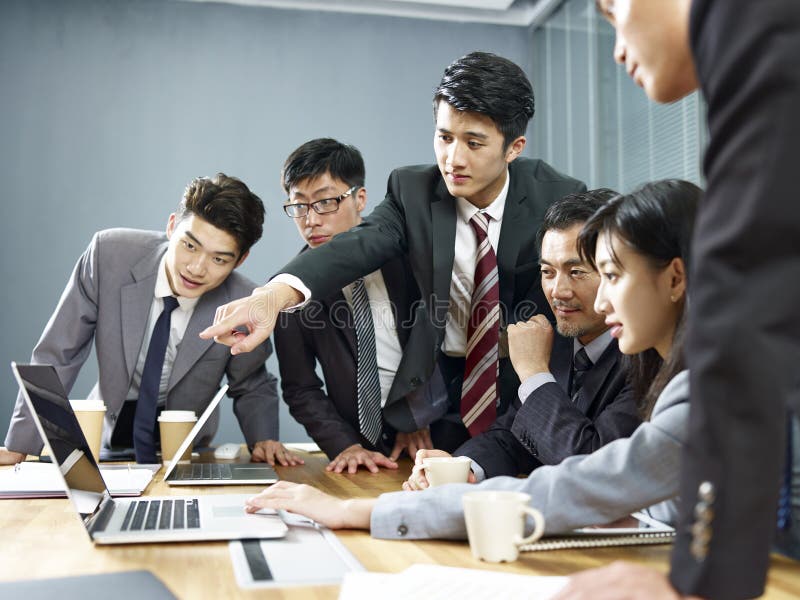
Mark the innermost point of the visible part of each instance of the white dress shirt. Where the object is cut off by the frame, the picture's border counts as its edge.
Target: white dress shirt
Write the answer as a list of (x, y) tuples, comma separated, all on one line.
[(177, 327)]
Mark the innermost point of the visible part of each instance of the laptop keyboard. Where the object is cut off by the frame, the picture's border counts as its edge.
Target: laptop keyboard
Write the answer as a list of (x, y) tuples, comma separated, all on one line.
[(203, 471), (144, 515)]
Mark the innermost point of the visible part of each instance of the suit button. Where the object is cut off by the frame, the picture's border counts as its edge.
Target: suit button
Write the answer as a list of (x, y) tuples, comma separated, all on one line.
[(415, 382), (402, 530), (706, 492), (385, 437)]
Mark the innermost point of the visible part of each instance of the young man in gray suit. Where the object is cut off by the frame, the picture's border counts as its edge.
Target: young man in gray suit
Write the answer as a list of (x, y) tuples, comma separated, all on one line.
[(575, 395), (468, 228), (324, 182), (118, 291)]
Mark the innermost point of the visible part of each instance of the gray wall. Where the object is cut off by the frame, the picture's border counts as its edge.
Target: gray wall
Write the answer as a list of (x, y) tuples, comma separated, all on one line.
[(107, 110)]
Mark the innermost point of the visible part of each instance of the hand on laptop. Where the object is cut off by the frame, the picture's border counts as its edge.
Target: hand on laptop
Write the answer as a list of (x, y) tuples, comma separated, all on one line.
[(411, 442), (417, 480), (301, 499), (356, 455), (271, 451), (9, 457)]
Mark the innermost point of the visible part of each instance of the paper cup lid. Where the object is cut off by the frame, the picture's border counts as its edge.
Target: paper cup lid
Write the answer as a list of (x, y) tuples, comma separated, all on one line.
[(177, 416), (87, 405)]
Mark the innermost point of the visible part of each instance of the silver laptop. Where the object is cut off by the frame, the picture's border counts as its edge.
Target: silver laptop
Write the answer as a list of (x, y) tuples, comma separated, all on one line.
[(128, 521), (215, 473)]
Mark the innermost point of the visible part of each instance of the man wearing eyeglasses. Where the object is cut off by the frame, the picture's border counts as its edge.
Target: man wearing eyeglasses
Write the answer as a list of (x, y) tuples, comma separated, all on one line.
[(357, 350)]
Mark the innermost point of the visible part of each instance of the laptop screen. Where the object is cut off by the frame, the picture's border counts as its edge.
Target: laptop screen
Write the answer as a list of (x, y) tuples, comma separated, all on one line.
[(62, 436)]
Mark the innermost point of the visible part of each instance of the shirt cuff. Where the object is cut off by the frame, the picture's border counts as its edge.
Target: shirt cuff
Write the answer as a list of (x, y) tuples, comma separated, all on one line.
[(294, 282), (533, 383), (478, 471)]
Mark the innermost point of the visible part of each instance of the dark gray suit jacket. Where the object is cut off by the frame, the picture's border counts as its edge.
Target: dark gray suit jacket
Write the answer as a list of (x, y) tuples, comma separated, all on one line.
[(107, 300), (323, 333), (549, 427), (418, 219), (744, 335)]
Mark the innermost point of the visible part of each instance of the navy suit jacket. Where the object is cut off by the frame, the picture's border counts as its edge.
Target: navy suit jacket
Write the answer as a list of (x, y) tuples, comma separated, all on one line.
[(549, 427)]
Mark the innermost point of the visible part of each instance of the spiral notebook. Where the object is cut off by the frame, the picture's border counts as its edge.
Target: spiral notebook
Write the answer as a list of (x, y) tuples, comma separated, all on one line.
[(637, 530)]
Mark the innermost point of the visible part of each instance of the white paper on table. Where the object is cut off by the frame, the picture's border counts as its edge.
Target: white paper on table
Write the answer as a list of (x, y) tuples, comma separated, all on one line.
[(42, 479), (434, 582)]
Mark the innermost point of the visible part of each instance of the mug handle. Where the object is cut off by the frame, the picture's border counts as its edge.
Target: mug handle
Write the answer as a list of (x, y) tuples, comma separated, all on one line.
[(538, 528)]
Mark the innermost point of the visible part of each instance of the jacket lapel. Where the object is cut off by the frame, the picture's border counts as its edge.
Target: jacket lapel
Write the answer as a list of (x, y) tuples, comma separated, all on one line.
[(596, 377), (513, 232), (136, 299), (561, 360), (443, 218), (335, 318), (192, 347)]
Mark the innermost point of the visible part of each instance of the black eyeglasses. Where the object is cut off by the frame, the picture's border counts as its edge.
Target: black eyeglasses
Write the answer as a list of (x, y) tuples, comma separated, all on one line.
[(321, 207)]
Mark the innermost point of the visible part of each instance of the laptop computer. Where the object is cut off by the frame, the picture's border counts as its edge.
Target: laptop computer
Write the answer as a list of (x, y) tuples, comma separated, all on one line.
[(128, 521), (215, 473)]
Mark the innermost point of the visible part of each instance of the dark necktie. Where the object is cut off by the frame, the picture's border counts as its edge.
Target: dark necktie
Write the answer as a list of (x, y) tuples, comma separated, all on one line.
[(580, 364), (144, 421), (479, 390), (369, 386), (785, 500)]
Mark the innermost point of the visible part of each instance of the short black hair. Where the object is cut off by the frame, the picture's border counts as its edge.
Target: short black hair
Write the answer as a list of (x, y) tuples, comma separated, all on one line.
[(323, 155), (573, 209), (226, 203), (491, 85)]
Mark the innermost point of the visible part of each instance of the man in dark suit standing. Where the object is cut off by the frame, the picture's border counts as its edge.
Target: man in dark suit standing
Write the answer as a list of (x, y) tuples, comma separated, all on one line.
[(468, 227), (324, 183), (744, 335), (574, 394)]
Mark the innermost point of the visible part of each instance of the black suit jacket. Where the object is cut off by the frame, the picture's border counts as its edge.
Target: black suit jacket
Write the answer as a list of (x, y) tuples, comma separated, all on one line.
[(745, 324), (549, 427), (418, 219), (323, 333)]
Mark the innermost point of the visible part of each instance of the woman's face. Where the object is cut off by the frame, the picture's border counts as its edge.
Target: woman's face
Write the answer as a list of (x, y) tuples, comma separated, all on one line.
[(641, 304)]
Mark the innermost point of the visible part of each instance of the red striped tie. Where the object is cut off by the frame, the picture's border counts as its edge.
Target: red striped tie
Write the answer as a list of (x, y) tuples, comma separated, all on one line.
[(479, 390)]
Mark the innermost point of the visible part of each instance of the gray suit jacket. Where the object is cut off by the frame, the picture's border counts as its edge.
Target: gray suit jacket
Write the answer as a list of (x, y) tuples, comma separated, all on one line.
[(108, 300), (624, 476)]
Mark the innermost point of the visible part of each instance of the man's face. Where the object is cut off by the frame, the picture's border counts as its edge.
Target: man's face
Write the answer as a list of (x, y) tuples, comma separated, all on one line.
[(469, 152), (199, 256), (570, 285), (653, 45), (317, 229)]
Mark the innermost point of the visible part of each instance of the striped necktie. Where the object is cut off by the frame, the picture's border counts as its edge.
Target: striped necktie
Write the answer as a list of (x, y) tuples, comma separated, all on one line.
[(479, 390), (369, 387), (581, 363), (144, 420)]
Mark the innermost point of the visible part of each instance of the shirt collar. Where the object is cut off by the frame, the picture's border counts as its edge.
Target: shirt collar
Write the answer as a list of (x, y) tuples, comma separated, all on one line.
[(495, 210), (595, 348), (163, 288)]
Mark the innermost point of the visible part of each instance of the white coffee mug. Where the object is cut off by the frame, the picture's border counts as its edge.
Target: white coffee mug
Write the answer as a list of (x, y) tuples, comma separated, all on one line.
[(446, 469), (496, 524)]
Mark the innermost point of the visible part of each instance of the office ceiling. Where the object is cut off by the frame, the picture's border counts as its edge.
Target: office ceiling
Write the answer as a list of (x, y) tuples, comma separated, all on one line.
[(522, 13)]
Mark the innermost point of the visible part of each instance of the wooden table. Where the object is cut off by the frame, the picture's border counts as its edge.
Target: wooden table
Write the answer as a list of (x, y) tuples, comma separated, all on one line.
[(43, 538)]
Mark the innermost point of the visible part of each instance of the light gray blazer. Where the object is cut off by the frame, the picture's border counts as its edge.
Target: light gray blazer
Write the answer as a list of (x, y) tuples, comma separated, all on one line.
[(108, 299), (623, 476)]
